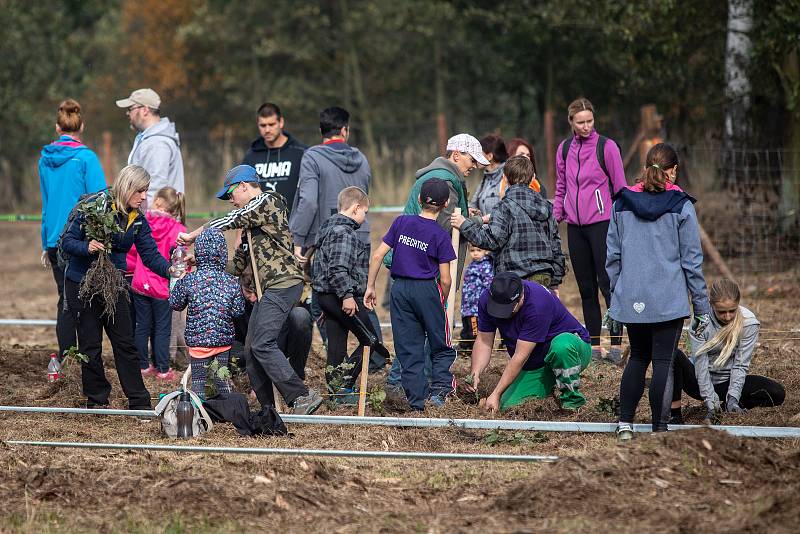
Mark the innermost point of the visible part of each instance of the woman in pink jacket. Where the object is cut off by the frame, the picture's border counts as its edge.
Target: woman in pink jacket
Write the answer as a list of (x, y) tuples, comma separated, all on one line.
[(151, 292), (588, 173)]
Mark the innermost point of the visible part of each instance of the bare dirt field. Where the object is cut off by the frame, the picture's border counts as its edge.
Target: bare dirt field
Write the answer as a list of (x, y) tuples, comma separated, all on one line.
[(703, 481)]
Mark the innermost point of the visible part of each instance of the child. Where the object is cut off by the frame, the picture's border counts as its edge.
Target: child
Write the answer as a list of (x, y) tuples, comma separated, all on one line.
[(151, 292), (422, 253), (521, 230), (721, 356), (213, 298), (339, 278), (477, 278)]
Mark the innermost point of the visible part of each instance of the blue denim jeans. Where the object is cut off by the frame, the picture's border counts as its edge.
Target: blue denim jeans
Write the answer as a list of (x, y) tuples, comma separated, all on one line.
[(153, 319)]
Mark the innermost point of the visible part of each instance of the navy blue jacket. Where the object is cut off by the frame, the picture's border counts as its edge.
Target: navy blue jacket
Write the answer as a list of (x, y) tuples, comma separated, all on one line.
[(76, 244)]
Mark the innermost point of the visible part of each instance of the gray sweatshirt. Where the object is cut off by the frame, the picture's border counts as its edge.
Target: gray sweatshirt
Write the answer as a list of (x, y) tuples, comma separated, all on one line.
[(487, 195), (655, 261), (325, 171), (734, 370), (158, 150)]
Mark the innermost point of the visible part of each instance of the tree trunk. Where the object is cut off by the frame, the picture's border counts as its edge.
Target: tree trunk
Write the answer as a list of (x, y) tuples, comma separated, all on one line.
[(737, 91), (789, 205)]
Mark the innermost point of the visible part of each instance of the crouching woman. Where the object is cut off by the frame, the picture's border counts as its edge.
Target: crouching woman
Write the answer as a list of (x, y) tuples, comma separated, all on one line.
[(92, 313)]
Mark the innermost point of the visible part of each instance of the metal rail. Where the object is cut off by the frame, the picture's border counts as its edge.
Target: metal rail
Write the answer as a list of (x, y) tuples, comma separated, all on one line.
[(473, 424), (293, 452)]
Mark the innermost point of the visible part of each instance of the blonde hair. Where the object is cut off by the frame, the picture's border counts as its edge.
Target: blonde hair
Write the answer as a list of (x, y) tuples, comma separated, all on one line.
[(350, 196), (130, 180), (69, 118), (174, 201), (578, 105), (728, 336)]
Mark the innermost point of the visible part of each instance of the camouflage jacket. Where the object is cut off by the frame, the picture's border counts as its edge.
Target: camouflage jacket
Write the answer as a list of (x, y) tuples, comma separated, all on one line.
[(267, 218)]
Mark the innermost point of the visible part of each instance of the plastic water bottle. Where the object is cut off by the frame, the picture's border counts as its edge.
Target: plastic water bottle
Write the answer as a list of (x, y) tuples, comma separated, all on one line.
[(179, 264), (185, 415), (53, 368)]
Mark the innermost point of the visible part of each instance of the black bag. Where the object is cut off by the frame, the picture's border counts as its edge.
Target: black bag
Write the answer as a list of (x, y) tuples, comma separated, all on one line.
[(233, 408)]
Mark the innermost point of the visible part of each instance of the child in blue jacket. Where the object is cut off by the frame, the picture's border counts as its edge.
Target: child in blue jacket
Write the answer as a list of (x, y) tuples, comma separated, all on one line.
[(213, 298)]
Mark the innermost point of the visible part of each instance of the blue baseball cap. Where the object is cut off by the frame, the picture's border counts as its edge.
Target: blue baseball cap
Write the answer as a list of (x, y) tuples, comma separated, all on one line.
[(238, 174)]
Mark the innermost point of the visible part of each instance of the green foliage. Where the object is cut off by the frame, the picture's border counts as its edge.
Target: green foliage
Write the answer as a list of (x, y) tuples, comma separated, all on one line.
[(337, 377), (215, 371), (377, 396), (608, 406), (496, 437), (73, 354)]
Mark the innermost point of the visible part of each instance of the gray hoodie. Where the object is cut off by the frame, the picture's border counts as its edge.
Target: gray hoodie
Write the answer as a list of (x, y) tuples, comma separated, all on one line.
[(654, 260), (158, 150), (487, 195), (325, 171), (734, 370)]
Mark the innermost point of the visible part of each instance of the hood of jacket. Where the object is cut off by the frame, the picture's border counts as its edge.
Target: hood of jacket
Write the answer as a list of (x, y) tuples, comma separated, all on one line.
[(493, 177), (347, 158), (61, 151), (440, 163), (334, 220), (164, 128), (531, 202), (258, 144), (651, 206), (211, 250), (162, 224)]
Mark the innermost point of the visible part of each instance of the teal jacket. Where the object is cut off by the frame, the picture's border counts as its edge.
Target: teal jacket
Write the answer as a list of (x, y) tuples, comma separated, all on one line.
[(443, 169)]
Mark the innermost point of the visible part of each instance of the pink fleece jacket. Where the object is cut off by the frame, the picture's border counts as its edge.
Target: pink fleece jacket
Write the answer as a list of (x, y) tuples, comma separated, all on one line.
[(165, 232)]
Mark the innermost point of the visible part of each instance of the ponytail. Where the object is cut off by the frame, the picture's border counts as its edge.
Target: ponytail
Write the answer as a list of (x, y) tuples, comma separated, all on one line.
[(175, 202), (660, 158)]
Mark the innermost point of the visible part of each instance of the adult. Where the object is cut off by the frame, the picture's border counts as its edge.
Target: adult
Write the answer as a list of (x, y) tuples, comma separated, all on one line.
[(264, 217), (547, 345), (487, 194), (588, 173), (67, 170), (655, 267), (463, 154), (521, 147), (275, 154), (128, 194), (157, 146), (718, 372), (325, 171)]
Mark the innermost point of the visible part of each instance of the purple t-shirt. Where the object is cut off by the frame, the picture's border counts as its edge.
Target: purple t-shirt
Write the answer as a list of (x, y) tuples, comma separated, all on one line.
[(541, 318), (419, 245)]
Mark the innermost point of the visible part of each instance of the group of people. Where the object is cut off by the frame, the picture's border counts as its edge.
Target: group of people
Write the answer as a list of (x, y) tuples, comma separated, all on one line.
[(301, 216)]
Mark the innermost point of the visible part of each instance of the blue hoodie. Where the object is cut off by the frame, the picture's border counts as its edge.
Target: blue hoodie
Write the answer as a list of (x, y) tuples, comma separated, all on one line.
[(67, 170)]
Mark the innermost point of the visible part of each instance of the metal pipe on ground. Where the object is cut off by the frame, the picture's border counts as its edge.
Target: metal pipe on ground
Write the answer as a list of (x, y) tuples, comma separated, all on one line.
[(473, 424), (404, 455)]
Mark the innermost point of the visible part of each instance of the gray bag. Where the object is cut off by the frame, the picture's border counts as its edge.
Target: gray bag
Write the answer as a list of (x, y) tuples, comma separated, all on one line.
[(167, 407)]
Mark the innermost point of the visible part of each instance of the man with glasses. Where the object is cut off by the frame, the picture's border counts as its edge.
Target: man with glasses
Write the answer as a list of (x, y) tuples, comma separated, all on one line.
[(157, 146), (463, 154)]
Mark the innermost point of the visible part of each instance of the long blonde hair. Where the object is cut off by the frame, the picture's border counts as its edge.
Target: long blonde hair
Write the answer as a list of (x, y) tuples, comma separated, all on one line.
[(130, 179), (728, 336)]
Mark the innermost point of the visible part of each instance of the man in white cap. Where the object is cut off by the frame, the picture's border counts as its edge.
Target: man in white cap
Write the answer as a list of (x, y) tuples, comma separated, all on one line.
[(157, 146), (463, 154)]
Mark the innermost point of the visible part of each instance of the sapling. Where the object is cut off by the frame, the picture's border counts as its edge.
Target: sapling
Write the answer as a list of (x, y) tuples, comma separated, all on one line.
[(103, 279), (470, 380)]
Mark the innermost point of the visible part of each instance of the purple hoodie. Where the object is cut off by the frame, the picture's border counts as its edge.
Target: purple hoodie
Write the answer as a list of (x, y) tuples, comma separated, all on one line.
[(583, 195)]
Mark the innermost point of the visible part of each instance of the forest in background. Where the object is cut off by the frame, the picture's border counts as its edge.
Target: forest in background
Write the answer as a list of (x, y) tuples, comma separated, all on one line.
[(399, 66)]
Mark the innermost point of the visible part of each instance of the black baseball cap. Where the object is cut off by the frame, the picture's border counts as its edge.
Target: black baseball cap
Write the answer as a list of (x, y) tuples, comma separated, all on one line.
[(434, 191), (504, 293)]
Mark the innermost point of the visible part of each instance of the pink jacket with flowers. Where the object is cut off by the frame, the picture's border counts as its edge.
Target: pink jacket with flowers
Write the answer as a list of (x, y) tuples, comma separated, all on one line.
[(165, 232)]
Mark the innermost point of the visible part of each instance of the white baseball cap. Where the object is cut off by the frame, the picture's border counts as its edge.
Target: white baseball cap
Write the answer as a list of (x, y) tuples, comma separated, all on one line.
[(466, 143), (142, 97)]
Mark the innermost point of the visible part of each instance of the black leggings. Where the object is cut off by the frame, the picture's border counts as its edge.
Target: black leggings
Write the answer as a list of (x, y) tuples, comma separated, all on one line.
[(338, 325), (758, 391), (654, 342), (587, 252)]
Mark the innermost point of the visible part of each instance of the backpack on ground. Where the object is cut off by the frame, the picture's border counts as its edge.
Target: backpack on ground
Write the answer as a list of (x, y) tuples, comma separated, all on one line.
[(167, 411), (61, 254)]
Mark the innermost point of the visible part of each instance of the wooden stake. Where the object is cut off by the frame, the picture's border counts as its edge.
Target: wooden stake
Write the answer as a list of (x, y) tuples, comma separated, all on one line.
[(451, 297), (280, 406), (362, 392)]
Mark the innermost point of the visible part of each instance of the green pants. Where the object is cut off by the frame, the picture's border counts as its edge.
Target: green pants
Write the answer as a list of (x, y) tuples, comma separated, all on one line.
[(568, 356)]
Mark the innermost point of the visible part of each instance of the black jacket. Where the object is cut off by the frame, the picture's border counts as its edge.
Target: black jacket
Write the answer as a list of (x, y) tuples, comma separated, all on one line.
[(277, 168)]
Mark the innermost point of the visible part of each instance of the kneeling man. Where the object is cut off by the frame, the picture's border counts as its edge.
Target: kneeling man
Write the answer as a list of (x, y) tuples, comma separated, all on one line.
[(547, 345)]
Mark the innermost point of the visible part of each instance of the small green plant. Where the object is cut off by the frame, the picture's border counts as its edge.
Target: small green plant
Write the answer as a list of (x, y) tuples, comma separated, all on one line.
[(72, 354), (608, 406), (103, 279), (377, 396), (470, 380), (497, 436), (337, 377), (213, 371)]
